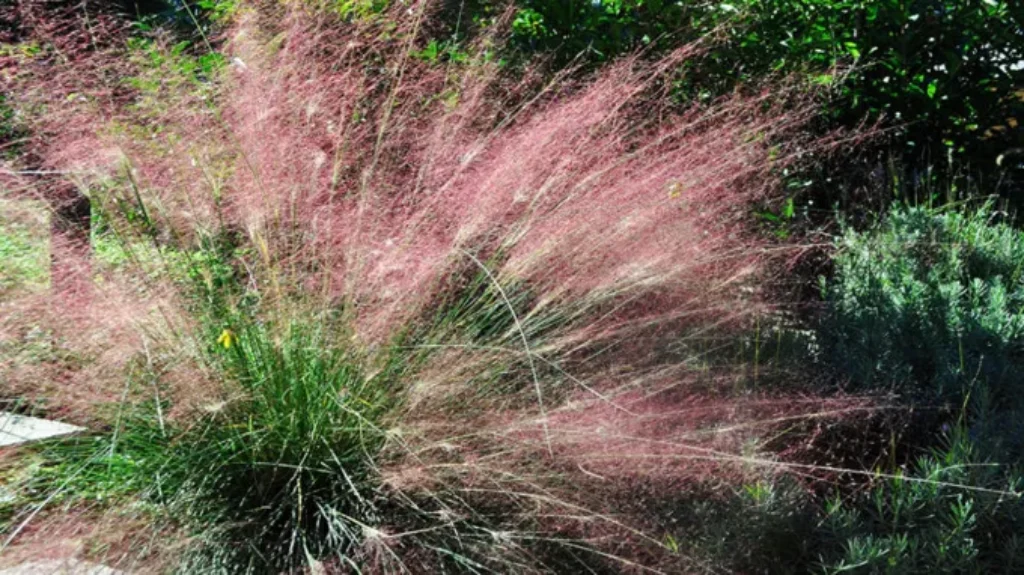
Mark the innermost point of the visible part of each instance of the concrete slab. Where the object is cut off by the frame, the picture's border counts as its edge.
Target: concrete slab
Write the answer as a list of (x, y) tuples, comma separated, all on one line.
[(15, 429), (59, 567)]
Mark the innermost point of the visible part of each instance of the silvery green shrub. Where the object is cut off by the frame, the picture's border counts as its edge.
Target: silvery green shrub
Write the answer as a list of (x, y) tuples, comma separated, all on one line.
[(928, 301)]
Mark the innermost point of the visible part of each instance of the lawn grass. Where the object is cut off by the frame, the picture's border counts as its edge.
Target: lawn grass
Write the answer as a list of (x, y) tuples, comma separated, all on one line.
[(24, 251)]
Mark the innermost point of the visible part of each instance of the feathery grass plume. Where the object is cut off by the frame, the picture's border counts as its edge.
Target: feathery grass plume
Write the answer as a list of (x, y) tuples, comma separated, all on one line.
[(62, 80), (429, 319), (61, 76)]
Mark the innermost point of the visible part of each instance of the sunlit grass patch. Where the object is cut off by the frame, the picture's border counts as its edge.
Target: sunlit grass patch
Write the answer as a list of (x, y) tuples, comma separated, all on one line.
[(24, 247)]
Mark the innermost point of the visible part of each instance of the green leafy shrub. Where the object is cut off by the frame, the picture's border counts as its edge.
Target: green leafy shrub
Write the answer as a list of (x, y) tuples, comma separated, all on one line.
[(942, 69), (945, 75), (955, 512), (171, 70), (601, 29), (931, 303), (952, 510), (217, 10), (929, 300)]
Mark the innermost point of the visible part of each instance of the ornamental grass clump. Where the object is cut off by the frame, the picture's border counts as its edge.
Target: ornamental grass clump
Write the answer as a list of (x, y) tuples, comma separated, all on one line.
[(412, 317)]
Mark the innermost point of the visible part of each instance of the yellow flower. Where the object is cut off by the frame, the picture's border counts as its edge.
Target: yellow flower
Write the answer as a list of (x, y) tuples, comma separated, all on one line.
[(227, 338), (675, 189)]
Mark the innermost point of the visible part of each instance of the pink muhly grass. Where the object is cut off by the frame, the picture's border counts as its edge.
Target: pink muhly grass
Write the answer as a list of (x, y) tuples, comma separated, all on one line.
[(370, 178), (595, 195), (612, 226)]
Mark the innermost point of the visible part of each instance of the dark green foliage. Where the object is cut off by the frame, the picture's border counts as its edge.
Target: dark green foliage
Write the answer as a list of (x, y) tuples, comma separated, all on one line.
[(197, 18), (930, 301), (945, 75), (954, 513), (954, 510), (764, 527), (11, 130), (946, 63), (601, 29)]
